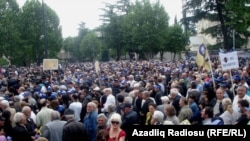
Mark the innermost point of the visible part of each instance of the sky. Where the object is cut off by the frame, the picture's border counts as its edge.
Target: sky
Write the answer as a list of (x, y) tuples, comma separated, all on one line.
[(73, 12)]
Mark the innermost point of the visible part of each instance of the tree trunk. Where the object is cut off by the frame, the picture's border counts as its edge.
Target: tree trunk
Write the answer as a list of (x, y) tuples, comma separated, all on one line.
[(161, 55), (223, 26)]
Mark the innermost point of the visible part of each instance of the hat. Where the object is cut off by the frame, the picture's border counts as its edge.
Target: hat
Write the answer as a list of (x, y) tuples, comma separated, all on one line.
[(96, 89), (26, 94), (42, 95), (164, 98), (127, 105), (69, 112), (157, 86), (236, 77), (2, 98), (52, 97), (224, 84)]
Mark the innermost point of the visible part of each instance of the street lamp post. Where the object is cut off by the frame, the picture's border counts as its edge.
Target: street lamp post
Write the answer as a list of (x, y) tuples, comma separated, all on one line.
[(44, 32)]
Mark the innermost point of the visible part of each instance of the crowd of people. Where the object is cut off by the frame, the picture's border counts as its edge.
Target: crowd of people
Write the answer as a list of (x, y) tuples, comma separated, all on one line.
[(80, 102)]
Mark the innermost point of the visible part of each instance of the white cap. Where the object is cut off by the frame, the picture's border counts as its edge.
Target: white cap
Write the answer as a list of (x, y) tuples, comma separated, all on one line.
[(96, 89), (165, 98), (2, 98)]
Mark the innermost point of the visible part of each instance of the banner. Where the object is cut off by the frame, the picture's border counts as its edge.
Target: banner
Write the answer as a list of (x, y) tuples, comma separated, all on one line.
[(229, 60), (50, 64), (202, 58)]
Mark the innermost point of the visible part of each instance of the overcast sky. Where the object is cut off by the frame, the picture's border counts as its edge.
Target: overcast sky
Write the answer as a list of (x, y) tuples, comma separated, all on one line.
[(73, 12)]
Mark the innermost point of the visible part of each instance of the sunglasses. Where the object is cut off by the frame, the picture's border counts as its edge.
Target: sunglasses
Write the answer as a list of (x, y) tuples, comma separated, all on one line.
[(115, 122)]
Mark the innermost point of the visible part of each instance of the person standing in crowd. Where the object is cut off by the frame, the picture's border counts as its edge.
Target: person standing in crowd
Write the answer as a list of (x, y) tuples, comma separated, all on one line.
[(30, 124), (115, 87), (102, 135), (196, 117), (158, 94), (2, 132), (241, 94), (151, 109), (145, 105), (43, 116), (73, 130), (85, 98), (171, 114), (8, 129), (216, 102), (115, 131), (185, 112), (101, 122), (207, 115), (110, 100), (157, 118), (20, 132), (175, 98), (165, 102), (53, 130), (229, 115), (90, 121), (110, 112), (243, 109), (5, 105), (120, 103), (129, 117), (76, 106)]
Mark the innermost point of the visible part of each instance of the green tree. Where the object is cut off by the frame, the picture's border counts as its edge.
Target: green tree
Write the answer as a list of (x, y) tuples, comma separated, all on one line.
[(175, 42), (35, 42), (9, 28), (90, 47), (145, 25), (112, 30), (228, 14)]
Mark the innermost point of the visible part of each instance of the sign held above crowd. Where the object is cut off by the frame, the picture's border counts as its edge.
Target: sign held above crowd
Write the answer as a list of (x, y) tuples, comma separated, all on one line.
[(229, 60), (50, 64)]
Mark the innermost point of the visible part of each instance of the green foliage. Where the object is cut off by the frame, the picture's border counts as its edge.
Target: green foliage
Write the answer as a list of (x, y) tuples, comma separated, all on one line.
[(3, 62), (90, 47), (21, 31), (140, 30), (232, 16)]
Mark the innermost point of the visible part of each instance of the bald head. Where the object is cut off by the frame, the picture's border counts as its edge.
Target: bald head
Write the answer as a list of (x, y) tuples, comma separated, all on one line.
[(55, 115), (43, 102)]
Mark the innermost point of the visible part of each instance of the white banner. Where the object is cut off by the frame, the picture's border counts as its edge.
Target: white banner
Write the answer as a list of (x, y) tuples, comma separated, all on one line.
[(229, 60), (50, 64)]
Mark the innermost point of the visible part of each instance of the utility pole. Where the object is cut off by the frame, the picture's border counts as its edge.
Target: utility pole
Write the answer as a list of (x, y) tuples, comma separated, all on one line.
[(44, 32)]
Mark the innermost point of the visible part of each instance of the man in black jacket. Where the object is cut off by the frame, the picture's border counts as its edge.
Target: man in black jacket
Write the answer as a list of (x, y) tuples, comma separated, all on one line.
[(129, 117), (73, 130)]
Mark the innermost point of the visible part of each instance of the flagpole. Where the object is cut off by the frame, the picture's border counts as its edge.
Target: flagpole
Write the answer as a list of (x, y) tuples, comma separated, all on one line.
[(230, 71), (211, 69)]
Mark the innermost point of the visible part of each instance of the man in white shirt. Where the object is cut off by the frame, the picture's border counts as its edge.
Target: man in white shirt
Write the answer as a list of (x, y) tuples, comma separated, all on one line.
[(241, 94), (76, 106), (110, 99)]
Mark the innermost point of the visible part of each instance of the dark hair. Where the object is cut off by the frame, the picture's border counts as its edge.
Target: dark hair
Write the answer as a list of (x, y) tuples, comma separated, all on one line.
[(193, 85), (152, 104), (244, 103), (185, 100), (102, 135), (209, 111), (120, 98)]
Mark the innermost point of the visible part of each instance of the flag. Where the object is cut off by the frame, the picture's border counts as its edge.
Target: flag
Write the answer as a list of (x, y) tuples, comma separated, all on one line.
[(202, 58)]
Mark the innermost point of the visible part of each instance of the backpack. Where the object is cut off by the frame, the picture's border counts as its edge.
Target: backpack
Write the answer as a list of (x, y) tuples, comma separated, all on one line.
[(217, 121)]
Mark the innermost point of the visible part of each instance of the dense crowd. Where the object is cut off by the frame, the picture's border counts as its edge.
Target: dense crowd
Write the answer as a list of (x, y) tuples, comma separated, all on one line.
[(82, 101)]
